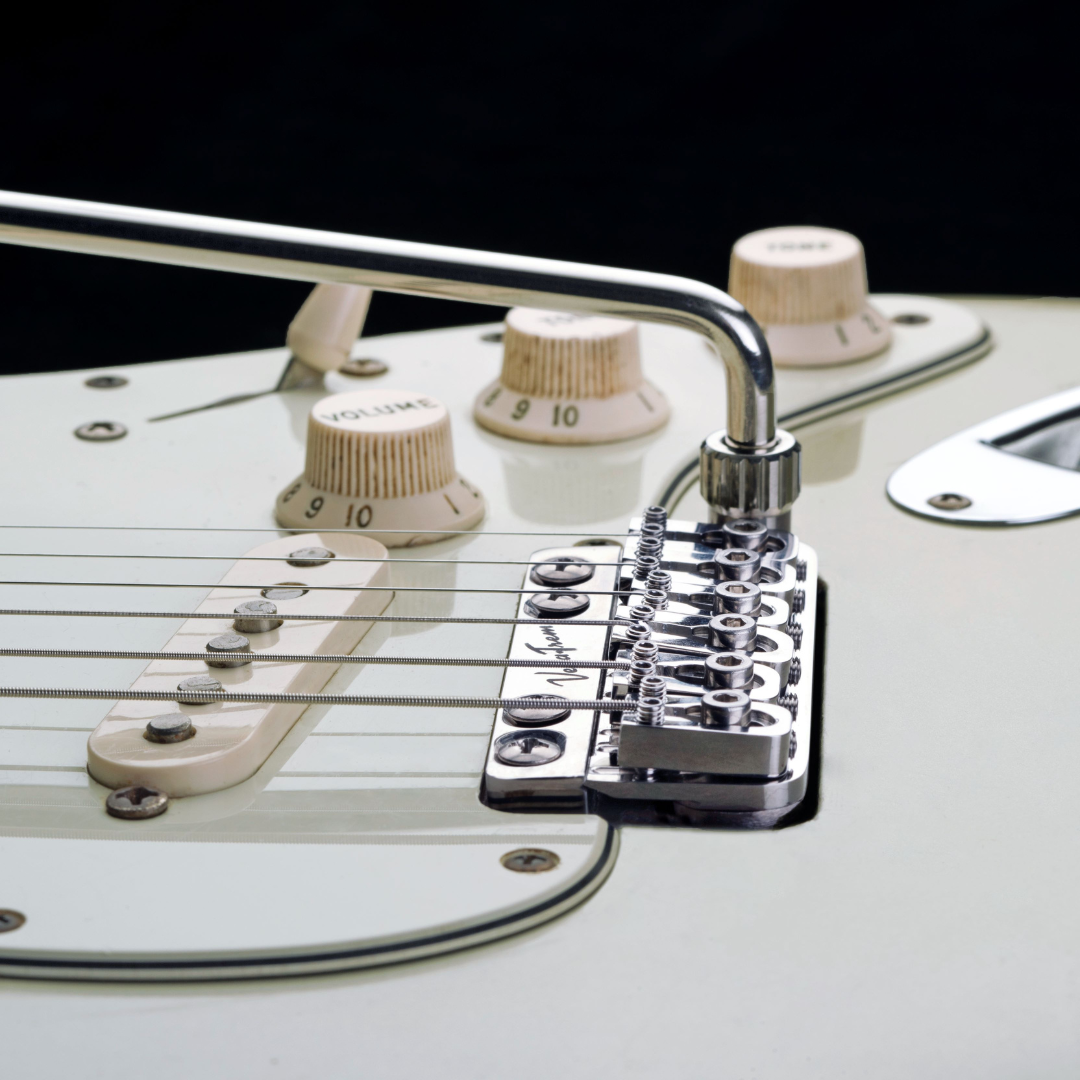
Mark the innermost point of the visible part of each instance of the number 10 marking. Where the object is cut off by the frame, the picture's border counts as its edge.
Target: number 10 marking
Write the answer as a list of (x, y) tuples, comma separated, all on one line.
[(569, 416)]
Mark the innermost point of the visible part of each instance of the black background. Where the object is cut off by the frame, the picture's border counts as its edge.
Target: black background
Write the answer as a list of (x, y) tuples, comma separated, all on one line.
[(942, 134)]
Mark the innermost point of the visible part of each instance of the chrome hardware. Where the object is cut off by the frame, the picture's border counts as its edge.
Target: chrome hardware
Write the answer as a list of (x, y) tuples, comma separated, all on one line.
[(697, 709), (749, 470), (1015, 469)]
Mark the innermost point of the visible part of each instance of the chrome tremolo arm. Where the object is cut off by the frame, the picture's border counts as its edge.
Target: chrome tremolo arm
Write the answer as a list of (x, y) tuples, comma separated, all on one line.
[(749, 468)]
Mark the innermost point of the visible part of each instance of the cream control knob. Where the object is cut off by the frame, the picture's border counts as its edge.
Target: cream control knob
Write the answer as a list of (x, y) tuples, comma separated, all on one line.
[(381, 461), (806, 286), (570, 379)]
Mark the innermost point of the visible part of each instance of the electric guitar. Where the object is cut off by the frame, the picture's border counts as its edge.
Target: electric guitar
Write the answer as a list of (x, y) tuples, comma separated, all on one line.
[(381, 656)]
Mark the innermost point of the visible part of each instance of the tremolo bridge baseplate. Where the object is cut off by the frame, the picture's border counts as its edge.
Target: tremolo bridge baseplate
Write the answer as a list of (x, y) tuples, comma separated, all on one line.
[(699, 752)]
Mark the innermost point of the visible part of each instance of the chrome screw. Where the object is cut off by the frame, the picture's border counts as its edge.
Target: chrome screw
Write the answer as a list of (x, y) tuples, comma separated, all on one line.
[(745, 533), (659, 579), (949, 500), (101, 431), (105, 382), (650, 711), (657, 599), (644, 649), (530, 860), (795, 671), (644, 565), (640, 670), (528, 748), (365, 368), (10, 920), (137, 802)]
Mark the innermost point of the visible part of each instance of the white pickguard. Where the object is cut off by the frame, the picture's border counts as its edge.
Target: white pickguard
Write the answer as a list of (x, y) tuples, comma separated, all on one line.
[(364, 825)]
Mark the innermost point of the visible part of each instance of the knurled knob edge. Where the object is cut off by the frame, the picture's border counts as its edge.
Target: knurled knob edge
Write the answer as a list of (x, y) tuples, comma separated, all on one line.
[(751, 483)]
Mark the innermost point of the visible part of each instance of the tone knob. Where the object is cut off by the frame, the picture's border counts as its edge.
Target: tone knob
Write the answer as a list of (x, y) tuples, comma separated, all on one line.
[(381, 461), (570, 379), (806, 286)]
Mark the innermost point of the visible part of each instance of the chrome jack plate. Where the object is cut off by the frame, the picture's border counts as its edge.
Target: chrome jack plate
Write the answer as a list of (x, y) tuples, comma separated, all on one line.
[(1019, 468)]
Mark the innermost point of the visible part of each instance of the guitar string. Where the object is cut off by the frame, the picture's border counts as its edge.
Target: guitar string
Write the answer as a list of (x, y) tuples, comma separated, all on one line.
[(305, 658), (281, 532), (371, 700), (327, 588), (231, 615), (284, 558)]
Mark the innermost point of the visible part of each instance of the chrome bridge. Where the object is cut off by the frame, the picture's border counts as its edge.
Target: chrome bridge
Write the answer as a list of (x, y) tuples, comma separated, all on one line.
[(709, 633)]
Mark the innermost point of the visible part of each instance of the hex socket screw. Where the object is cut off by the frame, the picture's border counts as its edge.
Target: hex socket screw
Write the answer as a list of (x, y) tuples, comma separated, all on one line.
[(654, 514), (737, 564), (642, 612), (638, 631), (733, 633), (724, 708), (741, 597), (745, 533), (659, 579), (729, 671)]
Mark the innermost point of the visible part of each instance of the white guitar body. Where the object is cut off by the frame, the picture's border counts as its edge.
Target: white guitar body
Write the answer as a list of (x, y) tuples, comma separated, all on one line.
[(919, 918)]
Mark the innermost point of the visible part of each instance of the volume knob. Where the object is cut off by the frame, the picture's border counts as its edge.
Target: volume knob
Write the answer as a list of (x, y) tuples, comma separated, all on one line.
[(570, 379), (381, 461), (806, 286)]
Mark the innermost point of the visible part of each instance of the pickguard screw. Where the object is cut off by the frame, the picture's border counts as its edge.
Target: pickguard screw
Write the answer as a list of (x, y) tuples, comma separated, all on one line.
[(911, 319), (528, 860), (528, 748), (136, 802), (949, 500), (101, 431), (364, 368), (12, 920), (494, 338), (105, 382)]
